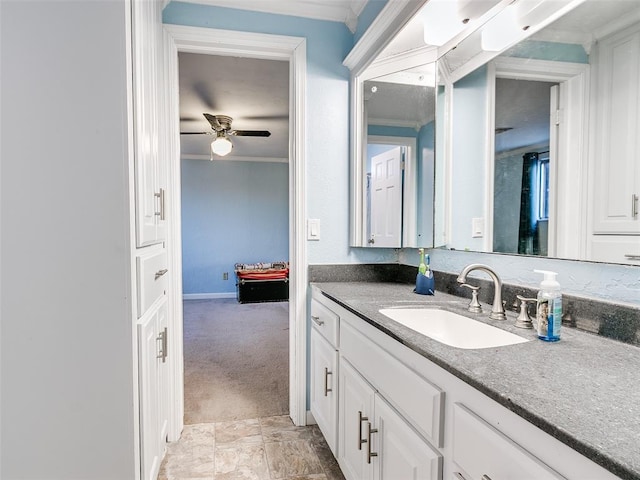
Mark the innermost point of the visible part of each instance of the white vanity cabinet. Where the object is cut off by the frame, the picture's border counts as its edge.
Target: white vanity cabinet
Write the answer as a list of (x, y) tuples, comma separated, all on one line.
[(150, 167), (324, 371), (616, 159), (375, 442), (153, 379), (402, 416)]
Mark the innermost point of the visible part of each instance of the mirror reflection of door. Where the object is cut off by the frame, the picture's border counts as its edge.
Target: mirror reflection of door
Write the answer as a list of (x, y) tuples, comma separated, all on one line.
[(523, 165), (385, 193)]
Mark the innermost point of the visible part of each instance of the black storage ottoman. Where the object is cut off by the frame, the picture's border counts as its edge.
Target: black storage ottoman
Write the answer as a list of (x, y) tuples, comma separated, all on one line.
[(262, 282)]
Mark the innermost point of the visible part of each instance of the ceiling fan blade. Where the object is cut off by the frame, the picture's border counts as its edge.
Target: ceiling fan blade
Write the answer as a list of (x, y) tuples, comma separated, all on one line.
[(215, 124), (250, 133), (196, 133)]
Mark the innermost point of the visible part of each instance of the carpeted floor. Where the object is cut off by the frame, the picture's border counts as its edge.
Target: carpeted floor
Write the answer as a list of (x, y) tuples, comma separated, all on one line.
[(236, 360)]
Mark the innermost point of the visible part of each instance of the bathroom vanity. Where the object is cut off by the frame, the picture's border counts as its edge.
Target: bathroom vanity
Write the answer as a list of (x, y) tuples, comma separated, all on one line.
[(393, 403)]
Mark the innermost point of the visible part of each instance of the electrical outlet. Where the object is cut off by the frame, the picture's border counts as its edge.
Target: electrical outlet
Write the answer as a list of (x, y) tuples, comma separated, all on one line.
[(225, 276)]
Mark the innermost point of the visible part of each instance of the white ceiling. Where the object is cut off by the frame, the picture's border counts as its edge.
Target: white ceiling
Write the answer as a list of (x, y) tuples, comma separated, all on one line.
[(254, 92)]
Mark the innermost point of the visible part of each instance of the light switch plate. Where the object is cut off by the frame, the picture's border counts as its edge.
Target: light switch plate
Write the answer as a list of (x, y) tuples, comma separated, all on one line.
[(313, 229), (477, 227)]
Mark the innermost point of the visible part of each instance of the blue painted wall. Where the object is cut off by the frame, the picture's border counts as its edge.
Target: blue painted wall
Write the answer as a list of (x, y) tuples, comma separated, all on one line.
[(232, 212)]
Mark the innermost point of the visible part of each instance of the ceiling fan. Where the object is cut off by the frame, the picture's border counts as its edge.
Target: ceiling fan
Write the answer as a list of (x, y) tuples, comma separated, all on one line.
[(221, 128)]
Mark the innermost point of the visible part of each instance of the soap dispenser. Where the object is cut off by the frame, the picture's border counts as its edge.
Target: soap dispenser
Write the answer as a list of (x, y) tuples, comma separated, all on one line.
[(549, 308)]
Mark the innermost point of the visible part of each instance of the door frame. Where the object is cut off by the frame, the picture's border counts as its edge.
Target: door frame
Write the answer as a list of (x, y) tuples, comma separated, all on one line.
[(211, 41)]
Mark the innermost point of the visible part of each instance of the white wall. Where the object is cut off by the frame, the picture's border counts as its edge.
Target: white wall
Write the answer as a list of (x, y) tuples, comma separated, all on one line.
[(66, 334)]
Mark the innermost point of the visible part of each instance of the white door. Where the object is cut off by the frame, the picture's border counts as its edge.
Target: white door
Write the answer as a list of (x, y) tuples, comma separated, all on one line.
[(324, 361), (356, 413), (401, 452), (386, 198)]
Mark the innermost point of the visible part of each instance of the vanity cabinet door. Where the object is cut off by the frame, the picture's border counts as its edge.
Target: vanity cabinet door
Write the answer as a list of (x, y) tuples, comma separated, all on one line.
[(324, 391), (480, 451), (356, 412), (617, 188), (401, 452)]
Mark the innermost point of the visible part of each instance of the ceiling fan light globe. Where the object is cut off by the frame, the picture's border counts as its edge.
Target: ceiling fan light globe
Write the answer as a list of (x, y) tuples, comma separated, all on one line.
[(221, 146)]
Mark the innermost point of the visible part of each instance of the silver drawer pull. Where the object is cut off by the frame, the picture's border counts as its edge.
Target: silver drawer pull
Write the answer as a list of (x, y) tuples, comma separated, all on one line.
[(317, 320), (369, 452), (458, 476), (162, 338), (326, 381), (634, 205), (160, 273), (160, 196), (361, 418), (632, 256), (485, 477)]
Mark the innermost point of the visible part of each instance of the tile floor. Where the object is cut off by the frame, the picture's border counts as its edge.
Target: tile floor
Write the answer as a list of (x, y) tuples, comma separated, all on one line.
[(263, 449)]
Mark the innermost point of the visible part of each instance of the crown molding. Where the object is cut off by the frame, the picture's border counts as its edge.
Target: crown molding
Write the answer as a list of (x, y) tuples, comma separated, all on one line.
[(232, 158)]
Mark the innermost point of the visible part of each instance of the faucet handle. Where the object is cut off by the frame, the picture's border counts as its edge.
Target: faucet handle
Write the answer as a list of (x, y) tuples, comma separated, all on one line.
[(474, 305), (524, 320)]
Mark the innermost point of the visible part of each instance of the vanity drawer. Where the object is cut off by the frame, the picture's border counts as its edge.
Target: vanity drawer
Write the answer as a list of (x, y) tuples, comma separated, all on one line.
[(417, 399), (325, 322), (152, 279), (616, 249), (481, 451)]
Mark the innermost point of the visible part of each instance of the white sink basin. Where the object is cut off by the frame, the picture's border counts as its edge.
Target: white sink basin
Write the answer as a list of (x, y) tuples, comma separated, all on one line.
[(452, 329)]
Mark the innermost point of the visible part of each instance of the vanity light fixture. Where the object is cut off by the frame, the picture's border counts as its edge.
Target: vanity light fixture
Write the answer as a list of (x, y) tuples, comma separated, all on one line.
[(510, 25), (221, 145), (442, 20)]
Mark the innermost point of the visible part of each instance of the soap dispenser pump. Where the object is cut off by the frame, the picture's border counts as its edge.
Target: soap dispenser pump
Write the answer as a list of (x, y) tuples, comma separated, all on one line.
[(549, 308)]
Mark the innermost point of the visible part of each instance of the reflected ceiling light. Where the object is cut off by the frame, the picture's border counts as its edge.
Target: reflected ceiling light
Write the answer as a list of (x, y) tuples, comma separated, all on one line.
[(442, 20), (221, 145)]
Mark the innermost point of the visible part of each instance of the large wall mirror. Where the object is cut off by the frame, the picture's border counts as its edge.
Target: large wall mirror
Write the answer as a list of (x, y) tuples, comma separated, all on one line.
[(539, 150)]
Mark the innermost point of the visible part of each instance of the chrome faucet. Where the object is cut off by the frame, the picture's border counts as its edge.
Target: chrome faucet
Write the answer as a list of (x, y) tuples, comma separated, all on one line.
[(497, 311)]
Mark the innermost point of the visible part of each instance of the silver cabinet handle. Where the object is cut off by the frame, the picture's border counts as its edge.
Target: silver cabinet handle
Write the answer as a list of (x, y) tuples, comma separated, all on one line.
[(634, 205), (361, 418), (326, 382), (160, 273), (458, 476), (317, 320), (485, 477), (160, 195), (370, 430), (163, 345), (632, 256)]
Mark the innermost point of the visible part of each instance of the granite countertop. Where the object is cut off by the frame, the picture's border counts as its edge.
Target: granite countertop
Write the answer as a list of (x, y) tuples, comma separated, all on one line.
[(583, 390)]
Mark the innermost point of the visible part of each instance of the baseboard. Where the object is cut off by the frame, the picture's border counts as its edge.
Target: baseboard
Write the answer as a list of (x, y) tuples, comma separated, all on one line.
[(207, 296), (310, 419)]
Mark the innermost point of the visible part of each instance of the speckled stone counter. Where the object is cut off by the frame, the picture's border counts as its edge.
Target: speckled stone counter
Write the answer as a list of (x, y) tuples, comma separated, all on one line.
[(583, 390)]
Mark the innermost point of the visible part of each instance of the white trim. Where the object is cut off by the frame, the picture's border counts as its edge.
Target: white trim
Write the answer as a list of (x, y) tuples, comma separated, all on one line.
[(310, 418), (233, 158), (208, 296), (490, 154), (401, 61), (386, 25), (174, 241), (318, 10), (293, 50)]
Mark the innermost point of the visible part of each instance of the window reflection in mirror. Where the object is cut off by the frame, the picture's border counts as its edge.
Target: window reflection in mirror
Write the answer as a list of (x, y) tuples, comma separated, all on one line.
[(528, 143), (399, 109)]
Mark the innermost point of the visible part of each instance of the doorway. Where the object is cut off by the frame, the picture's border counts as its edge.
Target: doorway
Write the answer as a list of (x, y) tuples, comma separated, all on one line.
[(242, 44)]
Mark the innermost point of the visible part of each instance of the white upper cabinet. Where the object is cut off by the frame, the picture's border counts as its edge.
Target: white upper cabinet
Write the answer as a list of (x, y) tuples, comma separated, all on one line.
[(150, 169), (617, 161)]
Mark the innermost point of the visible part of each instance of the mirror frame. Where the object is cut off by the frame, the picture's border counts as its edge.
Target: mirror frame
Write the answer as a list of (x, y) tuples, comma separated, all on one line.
[(361, 61)]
